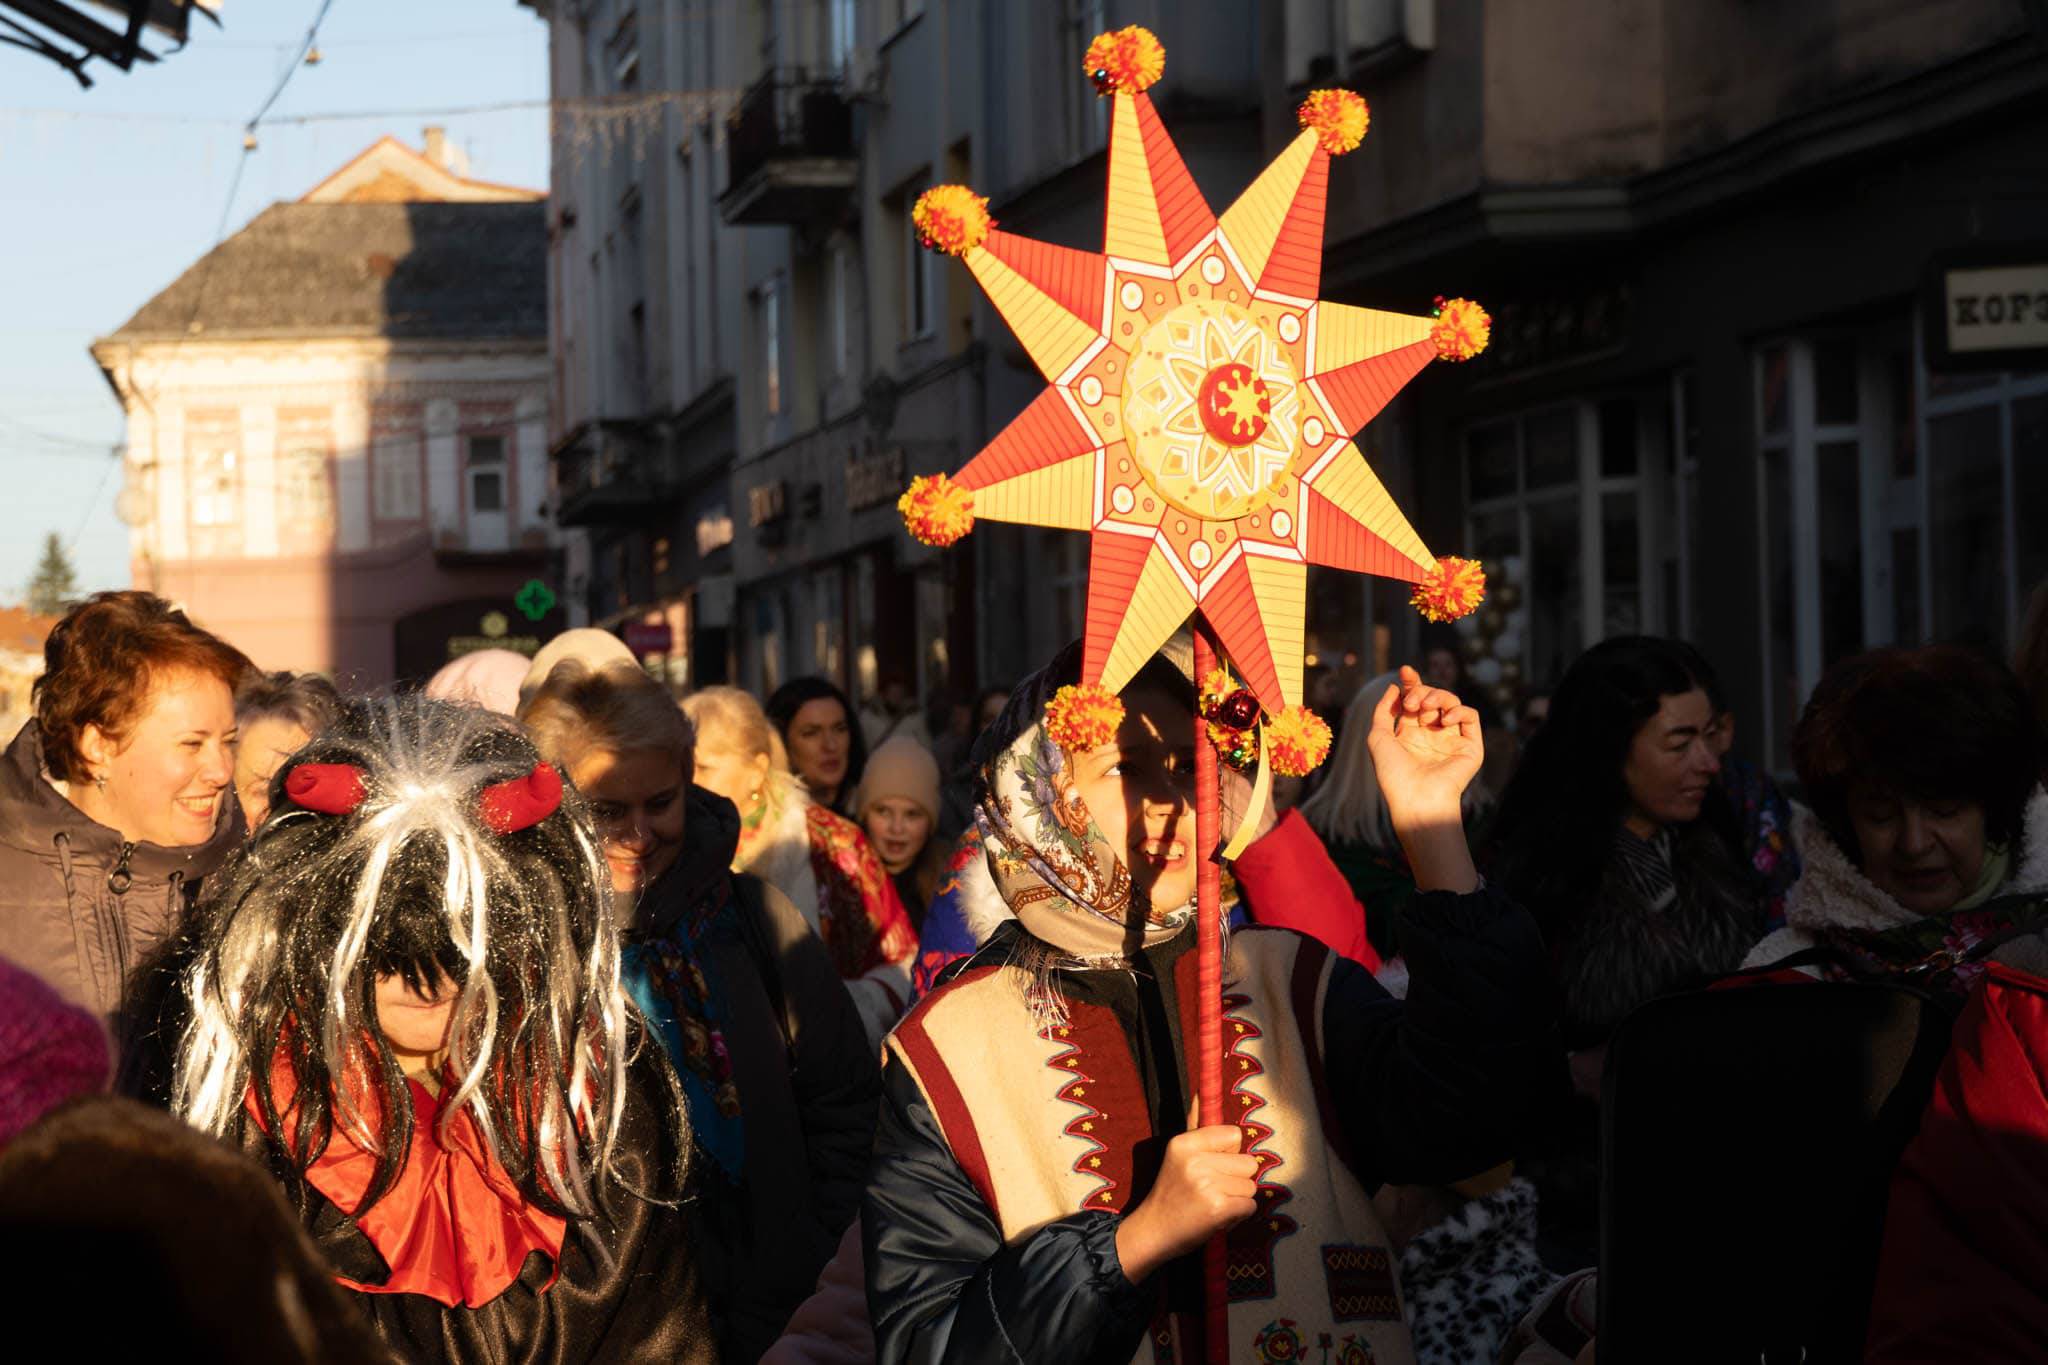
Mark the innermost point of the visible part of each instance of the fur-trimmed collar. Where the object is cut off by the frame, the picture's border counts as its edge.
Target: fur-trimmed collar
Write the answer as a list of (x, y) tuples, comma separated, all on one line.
[(1833, 894), (982, 907)]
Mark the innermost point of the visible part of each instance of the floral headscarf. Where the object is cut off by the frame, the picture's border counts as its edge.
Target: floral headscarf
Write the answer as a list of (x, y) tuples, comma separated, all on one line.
[(1066, 883)]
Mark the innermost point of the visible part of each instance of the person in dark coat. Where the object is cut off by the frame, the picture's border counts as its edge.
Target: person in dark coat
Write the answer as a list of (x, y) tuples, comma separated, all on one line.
[(117, 799), (782, 1085), (404, 1000), (1038, 1191)]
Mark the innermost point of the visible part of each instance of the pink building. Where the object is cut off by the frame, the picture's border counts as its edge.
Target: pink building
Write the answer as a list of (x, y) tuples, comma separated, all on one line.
[(337, 424)]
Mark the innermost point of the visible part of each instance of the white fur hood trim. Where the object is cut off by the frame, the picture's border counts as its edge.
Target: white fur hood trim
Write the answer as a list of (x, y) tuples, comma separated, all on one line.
[(982, 907), (1832, 893)]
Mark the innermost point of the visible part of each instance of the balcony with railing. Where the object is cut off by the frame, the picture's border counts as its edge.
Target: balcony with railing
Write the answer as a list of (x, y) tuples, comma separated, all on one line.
[(790, 155), (610, 472)]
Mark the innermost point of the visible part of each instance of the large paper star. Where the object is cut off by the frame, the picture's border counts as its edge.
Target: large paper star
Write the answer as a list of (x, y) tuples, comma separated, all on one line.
[(1202, 399)]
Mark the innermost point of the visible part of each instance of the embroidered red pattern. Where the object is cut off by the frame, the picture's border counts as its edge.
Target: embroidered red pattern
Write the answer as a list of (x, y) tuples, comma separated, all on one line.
[(1249, 1245), (1100, 1161)]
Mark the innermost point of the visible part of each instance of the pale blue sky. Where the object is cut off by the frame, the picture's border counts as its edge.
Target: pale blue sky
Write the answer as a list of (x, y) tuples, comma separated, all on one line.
[(98, 213)]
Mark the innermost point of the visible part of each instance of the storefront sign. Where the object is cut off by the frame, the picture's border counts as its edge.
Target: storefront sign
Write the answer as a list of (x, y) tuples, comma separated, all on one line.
[(650, 637), (874, 478), (1997, 310), (1987, 309), (426, 639), (767, 503)]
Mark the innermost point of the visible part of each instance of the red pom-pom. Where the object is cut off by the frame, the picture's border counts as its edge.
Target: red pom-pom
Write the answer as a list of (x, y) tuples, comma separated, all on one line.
[(1083, 716), (936, 510), (1124, 59), (1338, 118), (1454, 588), (1462, 329), (951, 218), (1300, 741)]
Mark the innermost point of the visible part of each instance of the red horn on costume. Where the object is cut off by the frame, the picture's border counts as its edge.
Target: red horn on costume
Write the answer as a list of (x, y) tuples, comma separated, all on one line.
[(330, 788), (522, 802)]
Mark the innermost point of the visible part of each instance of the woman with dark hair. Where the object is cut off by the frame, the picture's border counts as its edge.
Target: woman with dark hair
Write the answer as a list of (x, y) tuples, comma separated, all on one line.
[(405, 999), (116, 799), (275, 714), (822, 736), (1615, 834), (1921, 769)]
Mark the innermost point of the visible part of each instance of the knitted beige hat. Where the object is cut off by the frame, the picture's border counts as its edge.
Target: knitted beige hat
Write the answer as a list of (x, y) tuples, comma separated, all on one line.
[(900, 767)]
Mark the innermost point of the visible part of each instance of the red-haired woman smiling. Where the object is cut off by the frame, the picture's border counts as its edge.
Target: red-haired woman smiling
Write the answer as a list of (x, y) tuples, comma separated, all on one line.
[(117, 798)]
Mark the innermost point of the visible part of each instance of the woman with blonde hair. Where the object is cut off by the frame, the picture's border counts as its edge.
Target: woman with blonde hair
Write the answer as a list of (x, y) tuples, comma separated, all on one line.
[(820, 860), (782, 1084)]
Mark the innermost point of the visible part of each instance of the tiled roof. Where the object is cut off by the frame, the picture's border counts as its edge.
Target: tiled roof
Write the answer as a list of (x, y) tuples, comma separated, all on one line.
[(418, 270)]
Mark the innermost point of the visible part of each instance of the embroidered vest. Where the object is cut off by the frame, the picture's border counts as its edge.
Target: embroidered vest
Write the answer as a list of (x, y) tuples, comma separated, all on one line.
[(1045, 1121)]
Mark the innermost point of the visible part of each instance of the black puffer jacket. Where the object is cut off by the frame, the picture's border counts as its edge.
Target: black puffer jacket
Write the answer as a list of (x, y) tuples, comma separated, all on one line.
[(80, 906), (1425, 1090), (808, 1085)]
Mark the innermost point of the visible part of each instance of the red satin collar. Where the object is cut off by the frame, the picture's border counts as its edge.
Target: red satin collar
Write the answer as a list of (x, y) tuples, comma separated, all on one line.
[(453, 1226)]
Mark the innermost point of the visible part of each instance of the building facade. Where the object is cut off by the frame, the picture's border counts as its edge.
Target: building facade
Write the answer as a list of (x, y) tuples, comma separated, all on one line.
[(337, 424), (1746, 383)]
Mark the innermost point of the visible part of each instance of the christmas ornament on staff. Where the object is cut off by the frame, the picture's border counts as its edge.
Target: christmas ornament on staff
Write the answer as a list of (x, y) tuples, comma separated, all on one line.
[(1197, 424)]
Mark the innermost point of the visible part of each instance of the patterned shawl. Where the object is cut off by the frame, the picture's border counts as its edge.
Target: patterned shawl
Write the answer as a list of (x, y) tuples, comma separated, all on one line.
[(1064, 880)]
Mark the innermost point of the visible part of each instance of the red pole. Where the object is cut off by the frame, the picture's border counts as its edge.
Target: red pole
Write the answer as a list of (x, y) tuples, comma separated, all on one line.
[(1209, 976)]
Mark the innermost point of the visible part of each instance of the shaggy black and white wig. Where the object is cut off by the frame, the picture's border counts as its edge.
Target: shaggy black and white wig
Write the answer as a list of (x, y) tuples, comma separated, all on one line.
[(298, 927)]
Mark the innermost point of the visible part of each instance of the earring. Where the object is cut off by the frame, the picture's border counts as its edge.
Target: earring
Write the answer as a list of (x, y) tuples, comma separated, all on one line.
[(100, 784)]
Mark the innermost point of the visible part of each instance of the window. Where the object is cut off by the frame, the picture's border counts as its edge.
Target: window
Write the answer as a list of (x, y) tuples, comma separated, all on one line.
[(1985, 478), (395, 478), (1839, 506), (1556, 500), (770, 304), (485, 467), (842, 310), (917, 276), (1087, 112), (844, 19), (304, 498), (216, 488)]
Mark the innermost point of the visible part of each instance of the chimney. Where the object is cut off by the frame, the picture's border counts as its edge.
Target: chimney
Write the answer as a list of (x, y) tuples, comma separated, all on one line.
[(437, 147)]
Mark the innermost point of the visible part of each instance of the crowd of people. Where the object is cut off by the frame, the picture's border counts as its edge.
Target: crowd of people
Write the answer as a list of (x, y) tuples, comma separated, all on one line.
[(534, 1015)]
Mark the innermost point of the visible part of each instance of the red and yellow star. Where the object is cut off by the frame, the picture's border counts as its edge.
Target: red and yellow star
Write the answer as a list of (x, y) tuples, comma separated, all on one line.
[(1201, 397)]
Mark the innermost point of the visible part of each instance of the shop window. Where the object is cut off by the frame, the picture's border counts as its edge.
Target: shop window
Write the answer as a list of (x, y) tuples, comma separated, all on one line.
[(1556, 502), (1985, 480), (1839, 497)]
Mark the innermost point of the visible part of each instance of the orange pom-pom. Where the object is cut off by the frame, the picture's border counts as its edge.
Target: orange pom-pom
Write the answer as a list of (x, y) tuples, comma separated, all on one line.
[(1083, 716), (1124, 59), (951, 218), (1462, 329), (1299, 740), (1454, 588), (1338, 118), (936, 510)]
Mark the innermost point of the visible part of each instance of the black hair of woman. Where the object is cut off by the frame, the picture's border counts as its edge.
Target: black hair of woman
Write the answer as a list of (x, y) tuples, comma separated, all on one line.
[(782, 708), (1552, 834)]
